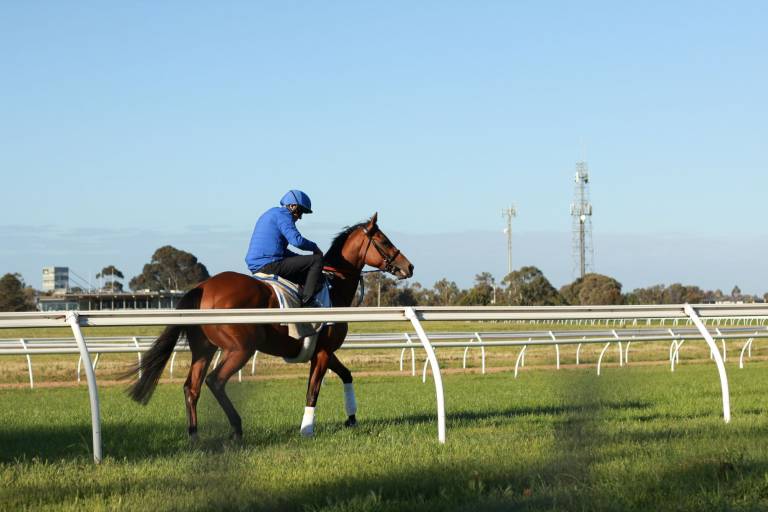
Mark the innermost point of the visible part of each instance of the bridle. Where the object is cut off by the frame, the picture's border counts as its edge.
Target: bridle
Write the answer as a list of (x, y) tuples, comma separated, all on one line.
[(389, 260)]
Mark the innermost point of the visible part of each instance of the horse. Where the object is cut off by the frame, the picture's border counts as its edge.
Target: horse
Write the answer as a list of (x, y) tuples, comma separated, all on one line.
[(349, 252)]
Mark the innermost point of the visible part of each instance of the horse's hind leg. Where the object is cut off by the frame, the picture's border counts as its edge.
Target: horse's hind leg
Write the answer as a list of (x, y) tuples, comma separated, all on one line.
[(350, 404), (234, 359), (202, 353)]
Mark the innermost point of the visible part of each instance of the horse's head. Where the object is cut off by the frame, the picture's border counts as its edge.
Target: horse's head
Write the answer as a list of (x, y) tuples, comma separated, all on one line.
[(376, 250)]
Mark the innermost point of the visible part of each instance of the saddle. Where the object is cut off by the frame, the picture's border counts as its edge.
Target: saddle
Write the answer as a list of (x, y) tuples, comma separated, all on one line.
[(288, 295)]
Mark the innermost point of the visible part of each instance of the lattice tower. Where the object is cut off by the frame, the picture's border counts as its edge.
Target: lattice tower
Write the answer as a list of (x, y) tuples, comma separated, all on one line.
[(508, 214), (581, 211)]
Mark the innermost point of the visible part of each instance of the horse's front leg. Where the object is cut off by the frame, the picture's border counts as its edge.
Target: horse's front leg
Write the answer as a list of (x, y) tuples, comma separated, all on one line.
[(317, 368), (350, 404)]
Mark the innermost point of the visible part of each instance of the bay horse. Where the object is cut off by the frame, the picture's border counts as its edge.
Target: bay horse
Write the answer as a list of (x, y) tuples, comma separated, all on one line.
[(352, 249)]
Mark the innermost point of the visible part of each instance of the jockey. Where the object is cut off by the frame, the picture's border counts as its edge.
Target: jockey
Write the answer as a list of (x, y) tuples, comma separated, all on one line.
[(268, 251)]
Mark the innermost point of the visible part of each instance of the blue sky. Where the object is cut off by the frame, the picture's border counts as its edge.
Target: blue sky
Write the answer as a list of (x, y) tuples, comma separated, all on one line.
[(127, 126)]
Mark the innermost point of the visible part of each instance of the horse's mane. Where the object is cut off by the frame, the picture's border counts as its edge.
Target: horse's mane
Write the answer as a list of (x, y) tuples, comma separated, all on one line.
[(341, 239)]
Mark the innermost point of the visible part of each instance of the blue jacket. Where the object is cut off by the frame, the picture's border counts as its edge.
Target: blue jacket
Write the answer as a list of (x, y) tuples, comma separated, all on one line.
[(274, 230)]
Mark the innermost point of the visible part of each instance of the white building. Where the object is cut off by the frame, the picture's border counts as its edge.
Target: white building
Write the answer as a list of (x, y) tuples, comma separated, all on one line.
[(55, 279)]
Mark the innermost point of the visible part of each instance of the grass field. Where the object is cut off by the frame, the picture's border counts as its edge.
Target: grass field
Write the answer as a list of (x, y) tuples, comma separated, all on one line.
[(637, 438)]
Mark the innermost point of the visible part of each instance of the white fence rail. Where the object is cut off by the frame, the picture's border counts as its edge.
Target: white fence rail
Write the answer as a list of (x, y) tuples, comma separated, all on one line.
[(675, 313)]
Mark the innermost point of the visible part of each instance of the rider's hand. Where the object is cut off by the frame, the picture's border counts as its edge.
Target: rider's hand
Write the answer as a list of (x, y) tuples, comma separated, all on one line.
[(317, 251)]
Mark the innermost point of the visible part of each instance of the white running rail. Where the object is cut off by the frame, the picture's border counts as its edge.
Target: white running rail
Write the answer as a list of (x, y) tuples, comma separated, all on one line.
[(735, 314)]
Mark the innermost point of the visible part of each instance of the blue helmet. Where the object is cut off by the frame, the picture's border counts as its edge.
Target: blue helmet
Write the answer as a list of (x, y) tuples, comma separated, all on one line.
[(297, 197)]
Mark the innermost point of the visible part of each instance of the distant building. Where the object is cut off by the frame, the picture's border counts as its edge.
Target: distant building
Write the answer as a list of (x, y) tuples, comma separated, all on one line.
[(99, 300), (55, 279)]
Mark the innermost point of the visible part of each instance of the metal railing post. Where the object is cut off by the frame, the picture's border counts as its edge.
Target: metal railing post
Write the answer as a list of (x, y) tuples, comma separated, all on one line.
[(482, 350), (557, 348), (93, 391), (29, 363), (718, 359), (410, 314), (138, 352)]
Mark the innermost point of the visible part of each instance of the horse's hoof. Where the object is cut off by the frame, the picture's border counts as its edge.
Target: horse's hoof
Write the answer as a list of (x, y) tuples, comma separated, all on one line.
[(236, 436), (351, 421), (193, 439), (308, 431)]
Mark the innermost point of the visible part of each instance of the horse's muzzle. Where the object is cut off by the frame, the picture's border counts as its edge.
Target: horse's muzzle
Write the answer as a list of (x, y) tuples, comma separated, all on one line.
[(405, 273)]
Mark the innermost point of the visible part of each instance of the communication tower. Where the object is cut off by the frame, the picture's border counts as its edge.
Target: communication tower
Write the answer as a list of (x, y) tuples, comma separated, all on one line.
[(581, 211), (509, 213)]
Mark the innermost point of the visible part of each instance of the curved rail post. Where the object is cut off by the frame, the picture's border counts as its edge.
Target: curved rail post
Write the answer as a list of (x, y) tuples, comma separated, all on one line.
[(672, 349), (482, 350), (464, 359), (557, 348), (626, 352), (519, 358), (440, 396), (722, 341), (413, 356), (402, 352), (29, 363), (718, 360), (672, 354), (173, 359), (522, 361), (93, 391), (741, 356), (677, 351), (138, 352), (621, 348), (600, 359), (253, 363), (578, 350)]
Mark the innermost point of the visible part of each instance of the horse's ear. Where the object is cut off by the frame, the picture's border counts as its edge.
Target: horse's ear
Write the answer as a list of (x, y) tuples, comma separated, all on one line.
[(374, 218)]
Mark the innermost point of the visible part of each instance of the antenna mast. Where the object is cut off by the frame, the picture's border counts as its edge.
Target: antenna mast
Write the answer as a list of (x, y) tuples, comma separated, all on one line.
[(581, 211), (509, 213)]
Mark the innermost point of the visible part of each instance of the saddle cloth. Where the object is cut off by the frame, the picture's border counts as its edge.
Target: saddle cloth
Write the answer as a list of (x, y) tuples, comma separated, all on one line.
[(289, 296)]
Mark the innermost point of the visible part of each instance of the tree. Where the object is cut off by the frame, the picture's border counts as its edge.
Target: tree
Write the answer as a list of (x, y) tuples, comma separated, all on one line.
[(111, 275), (651, 295), (15, 295), (443, 293), (677, 293), (736, 293), (529, 287), (170, 269), (481, 294), (593, 290), (385, 291)]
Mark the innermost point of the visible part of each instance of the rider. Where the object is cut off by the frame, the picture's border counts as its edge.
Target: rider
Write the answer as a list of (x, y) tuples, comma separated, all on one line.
[(268, 251)]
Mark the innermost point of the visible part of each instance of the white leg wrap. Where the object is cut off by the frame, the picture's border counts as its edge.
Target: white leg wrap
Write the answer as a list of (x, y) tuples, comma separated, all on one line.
[(308, 422), (350, 404)]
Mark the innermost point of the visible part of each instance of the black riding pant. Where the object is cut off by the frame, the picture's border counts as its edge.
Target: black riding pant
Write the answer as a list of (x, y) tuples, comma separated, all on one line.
[(304, 270)]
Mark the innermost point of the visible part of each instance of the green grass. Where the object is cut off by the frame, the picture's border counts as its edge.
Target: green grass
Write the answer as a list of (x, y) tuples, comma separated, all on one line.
[(637, 438)]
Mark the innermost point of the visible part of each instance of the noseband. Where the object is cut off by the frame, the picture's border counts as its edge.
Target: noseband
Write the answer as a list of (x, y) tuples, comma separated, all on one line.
[(389, 260)]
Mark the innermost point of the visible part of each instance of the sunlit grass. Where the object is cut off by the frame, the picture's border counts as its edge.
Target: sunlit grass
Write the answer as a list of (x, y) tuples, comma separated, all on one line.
[(637, 438)]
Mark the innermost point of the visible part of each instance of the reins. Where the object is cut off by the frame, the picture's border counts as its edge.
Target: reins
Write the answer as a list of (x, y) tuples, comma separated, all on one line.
[(388, 264)]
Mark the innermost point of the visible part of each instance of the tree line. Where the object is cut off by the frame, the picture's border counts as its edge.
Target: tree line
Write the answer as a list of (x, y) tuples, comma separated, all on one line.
[(174, 269), (529, 287)]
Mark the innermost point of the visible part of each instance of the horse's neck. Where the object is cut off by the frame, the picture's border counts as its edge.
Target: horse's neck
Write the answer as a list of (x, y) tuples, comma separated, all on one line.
[(344, 289), (345, 286)]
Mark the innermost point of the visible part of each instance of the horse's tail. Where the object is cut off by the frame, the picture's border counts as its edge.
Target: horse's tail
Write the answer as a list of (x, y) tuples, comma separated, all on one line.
[(153, 362)]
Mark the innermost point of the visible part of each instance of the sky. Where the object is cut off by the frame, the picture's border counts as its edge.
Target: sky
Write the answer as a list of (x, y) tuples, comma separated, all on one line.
[(126, 126)]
